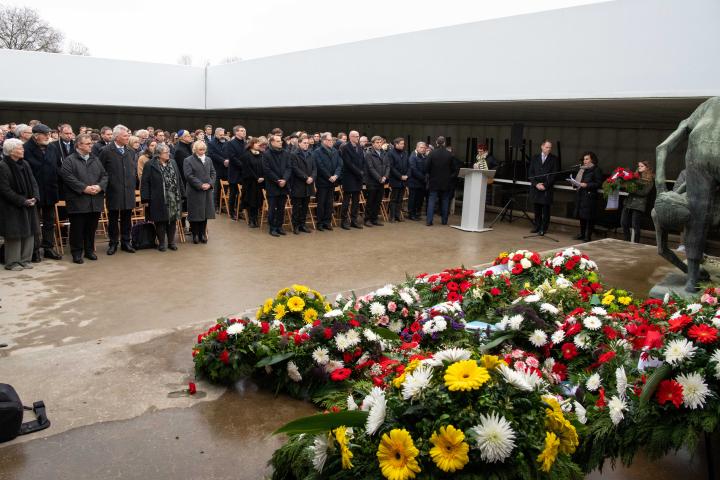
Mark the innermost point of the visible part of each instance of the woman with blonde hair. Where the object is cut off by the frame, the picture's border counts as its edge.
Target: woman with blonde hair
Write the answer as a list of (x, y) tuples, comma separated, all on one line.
[(636, 203)]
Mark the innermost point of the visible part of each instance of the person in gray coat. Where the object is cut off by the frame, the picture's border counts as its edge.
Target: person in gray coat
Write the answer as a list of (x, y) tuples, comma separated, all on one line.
[(200, 177), (119, 162), (161, 189), (85, 182), (19, 196), (377, 171)]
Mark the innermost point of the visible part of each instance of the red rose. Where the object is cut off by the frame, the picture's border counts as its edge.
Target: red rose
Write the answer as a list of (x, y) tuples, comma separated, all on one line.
[(464, 286), (264, 327), (192, 390), (222, 337), (225, 357), (505, 260), (194, 352), (495, 291), (416, 338), (557, 270), (200, 338), (328, 333), (535, 258), (517, 269), (316, 323), (354, 323), (517, 257), (415, 326), (340, 374), (569, 351)]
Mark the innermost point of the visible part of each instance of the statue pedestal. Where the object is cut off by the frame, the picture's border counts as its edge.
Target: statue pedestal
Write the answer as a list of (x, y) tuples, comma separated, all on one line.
[(674, 284)]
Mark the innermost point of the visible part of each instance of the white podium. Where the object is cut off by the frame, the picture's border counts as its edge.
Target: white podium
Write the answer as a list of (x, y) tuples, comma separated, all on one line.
[(474, 194)]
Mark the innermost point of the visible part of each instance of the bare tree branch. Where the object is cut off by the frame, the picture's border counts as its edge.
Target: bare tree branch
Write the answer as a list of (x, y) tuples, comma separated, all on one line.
[(23, 29)]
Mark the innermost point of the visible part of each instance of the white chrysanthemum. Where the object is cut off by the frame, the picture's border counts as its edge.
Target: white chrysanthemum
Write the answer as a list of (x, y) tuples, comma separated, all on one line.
[(521, 380), (515, 322), (450, 355), (235, 328), (503, 323), (319, 450), (549, 308), (533, 298), (406, 297), (599, 311), (695, 390), (376, 415), (377, 309), (436, 324), (622, 383), (582, 340), (580, 413), (679, 350), (395, 326), (558, 261), (494, 437), (715, 358), (341, 342), (693, 308), (416, 382), (293, 372), (592, 322), (538, 338), (351, 405), (333, 365), (593, 382), (616, 407), (333, 314), (558, 336), (321, 355), (370, 335), (371, 398), (353, 337), (385, 291)]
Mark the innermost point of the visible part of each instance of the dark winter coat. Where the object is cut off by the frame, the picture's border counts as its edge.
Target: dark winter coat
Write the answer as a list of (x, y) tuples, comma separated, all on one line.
[(182, 151), (216, 151), (58, 151), (45, 169), (638, 200), (97, 148), (543, 173), (587, 198), (276, 166), (16, 219), (377, 166), (252, 170), (303, 167), (233, 151), (200, 203), (417, 177), (439, 167), (77, 174), (328, 164), (353, 167), (399, 167), (122, 177), (152, 190)]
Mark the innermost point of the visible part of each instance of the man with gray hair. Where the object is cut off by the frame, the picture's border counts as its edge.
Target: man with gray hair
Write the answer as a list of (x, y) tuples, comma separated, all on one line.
[(23, 132), (118, 159)]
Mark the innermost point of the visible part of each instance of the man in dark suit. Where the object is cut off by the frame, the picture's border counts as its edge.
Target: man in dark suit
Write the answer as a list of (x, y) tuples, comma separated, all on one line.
[(417, 181), (353, 170), (302, 183), (399, 174), (58, 151), (377, 171), (440, 169), (105, 139), (541, 174), (216, 151), (329, 167), (233, 151), (119, 162), (277, 171)]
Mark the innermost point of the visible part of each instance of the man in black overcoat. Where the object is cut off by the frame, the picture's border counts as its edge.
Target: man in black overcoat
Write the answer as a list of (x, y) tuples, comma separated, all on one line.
[(542, 176), (233, 151), (216, 151), (329, 168), (302, 183), (353, 171), (277, 171), (377, 171), (399, 174)]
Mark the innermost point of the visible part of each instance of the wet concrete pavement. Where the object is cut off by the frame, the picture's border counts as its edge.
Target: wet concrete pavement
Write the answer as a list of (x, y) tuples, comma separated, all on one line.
[(107, 344)]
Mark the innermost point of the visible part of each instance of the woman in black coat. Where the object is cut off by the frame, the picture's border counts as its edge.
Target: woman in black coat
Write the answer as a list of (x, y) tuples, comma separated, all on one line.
[(161, 189), (590, 179), (253, 179), (18, 196)]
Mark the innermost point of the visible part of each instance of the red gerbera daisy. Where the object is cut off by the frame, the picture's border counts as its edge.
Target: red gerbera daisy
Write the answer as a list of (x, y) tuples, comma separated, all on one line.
[(678, 323), (340, 374), (703, 333), (453, 297), (569, 350), (670, 391)]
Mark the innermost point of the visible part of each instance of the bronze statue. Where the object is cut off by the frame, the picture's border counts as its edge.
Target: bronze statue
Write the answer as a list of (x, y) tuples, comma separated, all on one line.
[(694, 206)]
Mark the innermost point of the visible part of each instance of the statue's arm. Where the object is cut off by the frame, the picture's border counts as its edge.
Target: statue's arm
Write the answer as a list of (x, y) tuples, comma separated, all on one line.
[(662, 150)]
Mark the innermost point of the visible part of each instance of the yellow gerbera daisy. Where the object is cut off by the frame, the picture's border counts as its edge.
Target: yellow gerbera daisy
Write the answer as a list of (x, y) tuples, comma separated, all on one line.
[(344, 443), (300, 288), (295, 304), (450, 452), (397, 454), (625, 300), (491, 362), (310, 315), (465, 375), (267, 306), (282, 292), (279, 311), (608, 299), (550, 452)]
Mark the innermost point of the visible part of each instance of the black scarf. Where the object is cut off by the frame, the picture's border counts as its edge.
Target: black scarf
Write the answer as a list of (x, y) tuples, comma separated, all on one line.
[(20, 173)]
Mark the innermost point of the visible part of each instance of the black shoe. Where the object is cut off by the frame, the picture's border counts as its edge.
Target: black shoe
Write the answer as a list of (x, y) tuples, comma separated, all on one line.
[(377, 223), (580, 237), (195, 239), (36, 257), (112, 248), (541, 233), (253, 224), (78, 260), (91, 256), (127, 247), (320, 227), (356, 225), (203, 239), (328, 227), (274, 233), (172, 247), (52, 254), (345, 226), (444, 223), (368, 223), (304, 229), (535, 230), (281, 231), (296, 230), (428, 224), (162, 248), (398, 219)]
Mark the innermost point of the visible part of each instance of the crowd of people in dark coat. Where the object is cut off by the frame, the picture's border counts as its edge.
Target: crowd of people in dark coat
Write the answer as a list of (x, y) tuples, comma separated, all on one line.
[(177, 178)]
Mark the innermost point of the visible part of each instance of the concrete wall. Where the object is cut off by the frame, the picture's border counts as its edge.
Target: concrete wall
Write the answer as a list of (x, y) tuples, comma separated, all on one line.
[(620, 49)]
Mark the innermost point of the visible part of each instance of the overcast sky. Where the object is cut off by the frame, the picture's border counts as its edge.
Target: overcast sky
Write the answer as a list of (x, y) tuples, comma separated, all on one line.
[(210, 30)]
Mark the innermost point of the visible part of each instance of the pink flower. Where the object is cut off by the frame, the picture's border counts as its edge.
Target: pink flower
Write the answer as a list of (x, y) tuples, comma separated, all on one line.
[(517, 353), (709, 299), (392, 307), (532, 362), (404, 312), (520, 366), (384, 321)]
